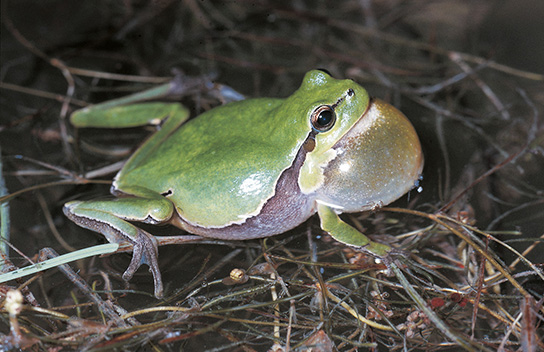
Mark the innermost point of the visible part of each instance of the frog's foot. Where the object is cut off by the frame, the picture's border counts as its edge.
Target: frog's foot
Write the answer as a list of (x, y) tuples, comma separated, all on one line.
[(396, 252), (392, 256), (145, 251)]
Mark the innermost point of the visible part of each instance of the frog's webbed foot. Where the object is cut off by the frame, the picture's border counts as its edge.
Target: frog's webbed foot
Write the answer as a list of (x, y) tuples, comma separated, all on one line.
[(110, 222), (145, 251), (396, 252)]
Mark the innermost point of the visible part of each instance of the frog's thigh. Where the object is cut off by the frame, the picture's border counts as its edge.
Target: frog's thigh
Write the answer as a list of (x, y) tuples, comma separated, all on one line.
[(111, 115), (345, 233), (108, 216)]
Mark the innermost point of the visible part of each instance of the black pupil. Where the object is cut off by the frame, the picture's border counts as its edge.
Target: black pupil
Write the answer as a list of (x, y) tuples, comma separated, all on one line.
[(325, 117)]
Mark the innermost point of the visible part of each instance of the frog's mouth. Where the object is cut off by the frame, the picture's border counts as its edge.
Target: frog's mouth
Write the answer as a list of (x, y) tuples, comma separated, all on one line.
[(377, 161)]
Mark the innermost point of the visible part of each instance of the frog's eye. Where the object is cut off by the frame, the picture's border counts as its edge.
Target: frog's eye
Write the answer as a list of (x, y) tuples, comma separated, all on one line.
[(323, 118)]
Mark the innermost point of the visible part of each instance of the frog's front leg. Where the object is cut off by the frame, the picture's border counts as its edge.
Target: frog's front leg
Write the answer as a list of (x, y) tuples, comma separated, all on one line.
[(110, 218), (347, 234)]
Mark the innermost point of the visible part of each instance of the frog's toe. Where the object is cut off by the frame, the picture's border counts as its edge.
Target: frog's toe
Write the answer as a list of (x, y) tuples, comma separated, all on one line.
[(394, 254), (145, 251)]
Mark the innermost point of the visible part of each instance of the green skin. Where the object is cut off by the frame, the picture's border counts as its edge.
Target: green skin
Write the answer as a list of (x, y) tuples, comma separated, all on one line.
[(253, 168)]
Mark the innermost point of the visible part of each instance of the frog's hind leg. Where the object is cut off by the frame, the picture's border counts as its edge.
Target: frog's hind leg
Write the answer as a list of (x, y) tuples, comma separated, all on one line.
[(109, 217)]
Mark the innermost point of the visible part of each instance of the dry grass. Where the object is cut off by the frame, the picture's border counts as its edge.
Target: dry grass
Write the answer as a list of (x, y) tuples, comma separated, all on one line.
[(468, 273)]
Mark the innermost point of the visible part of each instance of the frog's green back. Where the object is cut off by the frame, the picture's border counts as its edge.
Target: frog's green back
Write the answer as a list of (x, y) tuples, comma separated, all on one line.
[(223, 165)]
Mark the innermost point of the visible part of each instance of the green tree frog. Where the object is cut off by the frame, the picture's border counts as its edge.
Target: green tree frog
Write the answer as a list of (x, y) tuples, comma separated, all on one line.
[(254, 168)]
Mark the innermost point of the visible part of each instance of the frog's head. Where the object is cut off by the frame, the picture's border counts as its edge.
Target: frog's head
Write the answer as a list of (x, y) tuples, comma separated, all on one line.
[(366, 152)]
